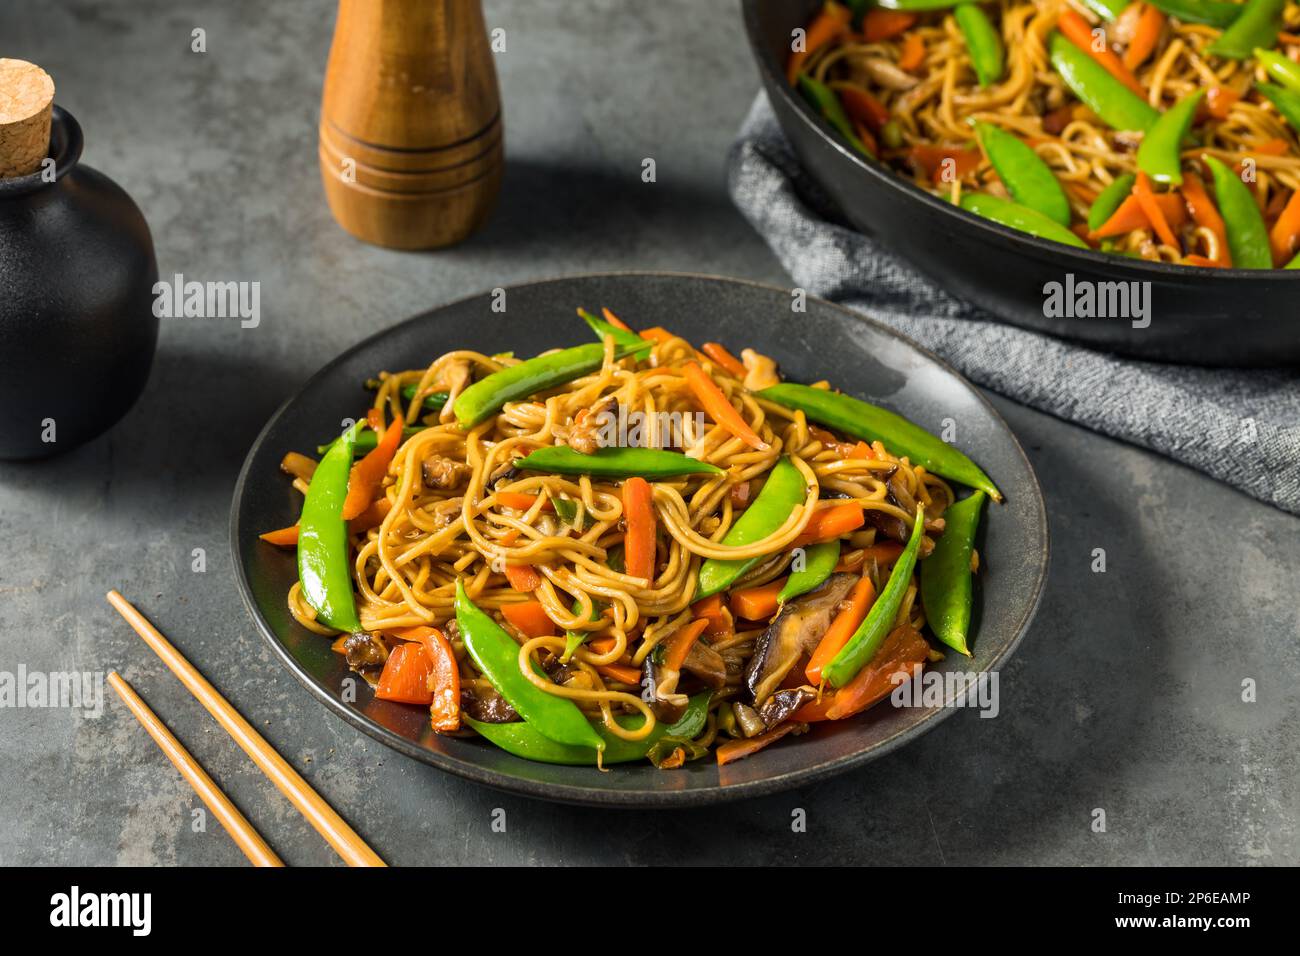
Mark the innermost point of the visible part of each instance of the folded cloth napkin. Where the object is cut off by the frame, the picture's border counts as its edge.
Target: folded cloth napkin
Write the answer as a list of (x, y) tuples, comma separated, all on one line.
[(1241, 426)]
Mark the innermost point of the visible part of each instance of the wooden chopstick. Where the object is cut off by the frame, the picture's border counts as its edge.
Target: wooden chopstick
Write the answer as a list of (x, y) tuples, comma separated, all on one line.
[(288, 781), (257, 850)]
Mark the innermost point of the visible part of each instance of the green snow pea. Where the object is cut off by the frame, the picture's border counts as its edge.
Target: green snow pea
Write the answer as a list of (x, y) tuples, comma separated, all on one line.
[(616, 462), (783, 490), (323, 566), (433, 402), (1285, 101), (1159, 156), (1109, 199), (1020, 217), (1256, 26), (1214, 13), (368, 439), (1027, 177), (819, 562), (1117, 105), (824, 100), (982, 42), (622, 337), (523, 740), (1294, 263), (1286, 71), (497, 655), (946, 575), (868, 422), (1244, 223), (871, 633), (1106, 9)]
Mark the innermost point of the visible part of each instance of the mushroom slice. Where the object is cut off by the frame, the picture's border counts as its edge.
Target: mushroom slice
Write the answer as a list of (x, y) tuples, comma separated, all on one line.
[(706, 664), (667, 704), (783, 703), (796, 631)]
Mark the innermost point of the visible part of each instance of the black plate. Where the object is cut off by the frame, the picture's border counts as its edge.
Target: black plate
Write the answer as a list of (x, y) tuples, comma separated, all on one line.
[(1200, 316), (827, 342)]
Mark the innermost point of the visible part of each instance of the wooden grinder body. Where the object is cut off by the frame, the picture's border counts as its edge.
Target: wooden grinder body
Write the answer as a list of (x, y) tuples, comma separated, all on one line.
[(411, 150)]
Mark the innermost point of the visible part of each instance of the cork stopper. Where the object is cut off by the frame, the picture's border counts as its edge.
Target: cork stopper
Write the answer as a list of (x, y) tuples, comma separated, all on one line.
[(26, 98)]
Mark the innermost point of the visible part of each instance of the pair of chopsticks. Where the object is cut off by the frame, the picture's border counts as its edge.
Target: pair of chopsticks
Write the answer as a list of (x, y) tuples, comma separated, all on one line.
[(288, 781)]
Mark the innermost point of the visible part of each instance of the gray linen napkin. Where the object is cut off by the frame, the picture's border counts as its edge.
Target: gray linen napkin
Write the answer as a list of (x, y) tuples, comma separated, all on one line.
[(1240, 426)]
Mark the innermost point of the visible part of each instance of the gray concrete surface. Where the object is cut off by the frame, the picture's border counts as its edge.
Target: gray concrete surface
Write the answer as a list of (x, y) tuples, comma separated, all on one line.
[(1126, 695)]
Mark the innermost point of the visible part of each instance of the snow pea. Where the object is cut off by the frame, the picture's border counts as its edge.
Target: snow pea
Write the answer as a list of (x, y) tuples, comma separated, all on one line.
[(1106, 9), (523, 740), (868, 422), (1247, 233), (946, 574), (1030, 181), (1286, 71), (616, 462), (1020, 217), (622, 337), (1117, 105), (368, 439), (497, 656), (1256, 26), (871, 633), (1159, 156), (825, 102), (324, 570), (433, 402), (917, 5), (982, 42), (1214, 13), (487, 396), (1294, 263), (819, 562), (1108, 200), (783, 490), (1286, 102)]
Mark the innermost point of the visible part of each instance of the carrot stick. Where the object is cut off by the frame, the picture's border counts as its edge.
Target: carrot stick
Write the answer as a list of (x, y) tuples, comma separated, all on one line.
[(639, 538), (1285, 234), (912, 55), (1206, 215), (1079, 32), (879, 24), (1271, 147), (679, 644), (717, 407), (1146, 198), (931, 159), (517, 500), (863, 107), (282, 537), (737, 749), (530, 618), (1131, 215), (614, 320), (757, 604), (711, 610), (368, 473), (846, 622), (623, 673), (523, 577), (902, 650), (405, 677), (828, 523), (832, 21), (1145, 36), (1219, 101), (372, 517), (718, 352), (656, 333)]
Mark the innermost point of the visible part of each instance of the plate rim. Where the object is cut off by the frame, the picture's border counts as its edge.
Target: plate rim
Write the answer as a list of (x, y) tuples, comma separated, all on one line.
[(597, 796)]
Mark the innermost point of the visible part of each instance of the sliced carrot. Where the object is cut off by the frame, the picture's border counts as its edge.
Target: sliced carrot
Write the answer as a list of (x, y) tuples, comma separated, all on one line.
[(444, 674), (829, 24), (931, 159), (757, 604), (614, 320), (861, 450), (1146, 198), (1205, 214), (523, 577), (711, 610), (300, 466), (863, 107), (623, 673), (737, 749), (879, 24), (602, 645), (1284, 237), (1150, 22), (679, 644), (639, 538), (815, 710), (1271, 147), (846, 622), (339, 645), (1198, 260), (1130, 215), (282, 537), (718, 352), (912, 56), (405, 678), (828, 523), (517, 500), (717, 407), (369, 472), (1219, 101), (529, 617), (656, 333), (902, 649), (886, 552), (1079, 32)]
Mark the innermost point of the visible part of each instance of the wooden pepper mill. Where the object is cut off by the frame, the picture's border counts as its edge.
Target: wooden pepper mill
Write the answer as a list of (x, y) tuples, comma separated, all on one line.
[(410, 135)]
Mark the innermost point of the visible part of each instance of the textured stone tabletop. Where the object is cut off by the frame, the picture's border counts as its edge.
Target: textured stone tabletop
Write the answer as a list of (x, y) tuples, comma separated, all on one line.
[(1126, 696)]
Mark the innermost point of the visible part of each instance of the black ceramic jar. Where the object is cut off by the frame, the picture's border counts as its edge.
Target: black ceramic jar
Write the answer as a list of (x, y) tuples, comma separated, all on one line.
[(77, 327)]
